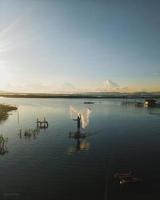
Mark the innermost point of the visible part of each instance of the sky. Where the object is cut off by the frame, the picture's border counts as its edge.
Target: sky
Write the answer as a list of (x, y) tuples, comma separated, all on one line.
[(79, 45)]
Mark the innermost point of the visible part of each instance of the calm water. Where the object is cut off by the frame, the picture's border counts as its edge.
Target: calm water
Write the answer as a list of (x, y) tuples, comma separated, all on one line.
[(50, 165)]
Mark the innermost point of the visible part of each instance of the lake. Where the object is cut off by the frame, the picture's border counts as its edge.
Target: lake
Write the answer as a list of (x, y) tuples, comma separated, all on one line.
[(51, 163)]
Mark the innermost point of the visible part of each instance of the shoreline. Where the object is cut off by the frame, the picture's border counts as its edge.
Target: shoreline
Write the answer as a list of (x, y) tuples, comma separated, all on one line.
[(75, 96)]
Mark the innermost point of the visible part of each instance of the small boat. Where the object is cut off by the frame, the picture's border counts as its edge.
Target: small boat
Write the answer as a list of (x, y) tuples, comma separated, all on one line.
[(88, 102)]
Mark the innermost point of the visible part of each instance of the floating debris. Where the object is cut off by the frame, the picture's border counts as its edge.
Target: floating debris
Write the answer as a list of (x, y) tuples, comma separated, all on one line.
[(88, 102)]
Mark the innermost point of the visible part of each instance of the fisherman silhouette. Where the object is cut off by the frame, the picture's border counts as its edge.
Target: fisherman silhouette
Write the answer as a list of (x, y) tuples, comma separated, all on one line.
[(78, 121)]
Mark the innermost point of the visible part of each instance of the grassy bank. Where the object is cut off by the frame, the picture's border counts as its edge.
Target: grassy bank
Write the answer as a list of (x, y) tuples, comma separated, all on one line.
[(4, 109), (7, 108)]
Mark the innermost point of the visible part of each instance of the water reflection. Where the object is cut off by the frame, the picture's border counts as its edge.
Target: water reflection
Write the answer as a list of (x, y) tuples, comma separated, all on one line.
[(3, 145), (3, 116), (79, 138), (153, 111), (32, 133), (29, 133)]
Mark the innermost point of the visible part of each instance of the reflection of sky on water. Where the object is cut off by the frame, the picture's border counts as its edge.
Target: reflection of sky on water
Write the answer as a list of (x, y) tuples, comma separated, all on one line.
[(118, 138), (3, 117)]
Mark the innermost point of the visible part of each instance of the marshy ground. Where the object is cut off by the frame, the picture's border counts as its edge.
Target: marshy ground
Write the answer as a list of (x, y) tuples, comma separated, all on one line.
[(4, 110)]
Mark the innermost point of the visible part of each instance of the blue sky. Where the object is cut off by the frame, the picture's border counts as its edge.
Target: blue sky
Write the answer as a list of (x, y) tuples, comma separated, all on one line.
[(65, 45)]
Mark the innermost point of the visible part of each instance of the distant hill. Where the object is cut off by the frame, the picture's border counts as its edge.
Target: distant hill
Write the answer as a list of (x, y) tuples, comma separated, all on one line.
[(83, 95)]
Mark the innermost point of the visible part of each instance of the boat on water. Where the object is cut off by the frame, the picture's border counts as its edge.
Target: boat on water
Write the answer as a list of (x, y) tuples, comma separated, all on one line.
[(88, 102)]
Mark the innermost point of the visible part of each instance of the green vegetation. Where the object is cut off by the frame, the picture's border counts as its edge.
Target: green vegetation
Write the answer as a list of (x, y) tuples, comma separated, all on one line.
[(4, 109), (3, 145), (7, 108), (3, 140)]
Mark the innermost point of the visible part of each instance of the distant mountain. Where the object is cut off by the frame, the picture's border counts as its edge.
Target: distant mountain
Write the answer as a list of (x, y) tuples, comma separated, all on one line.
[(111, 86)]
